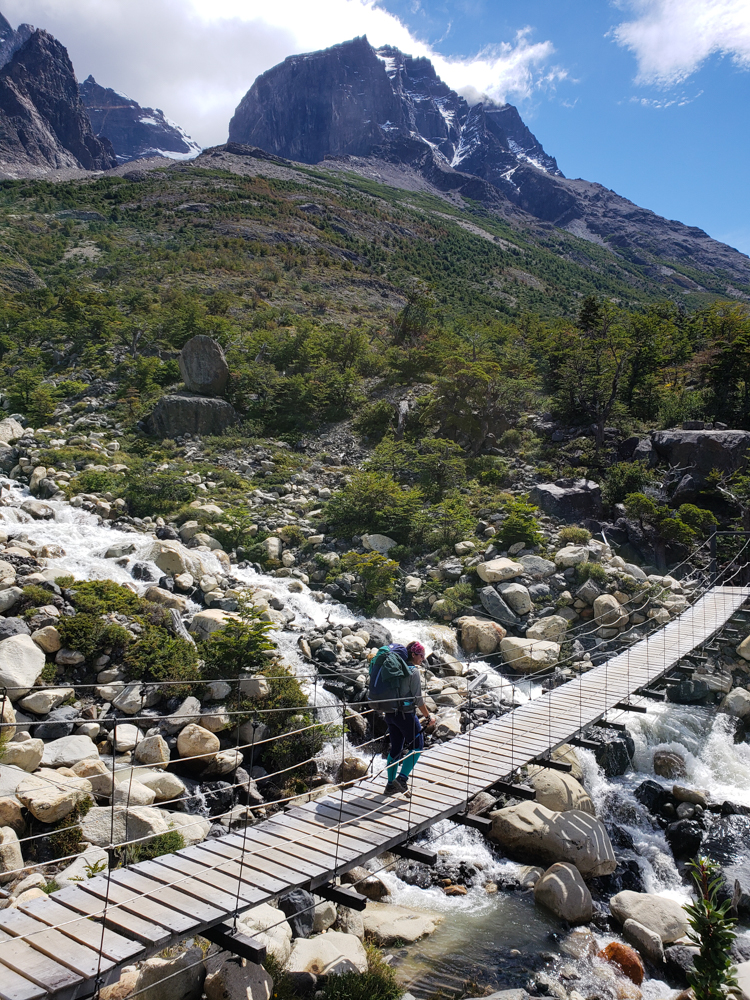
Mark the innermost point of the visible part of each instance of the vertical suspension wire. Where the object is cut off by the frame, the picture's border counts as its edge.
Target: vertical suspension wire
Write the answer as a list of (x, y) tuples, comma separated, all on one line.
[(341, 782), (98, 980), (254, 724)]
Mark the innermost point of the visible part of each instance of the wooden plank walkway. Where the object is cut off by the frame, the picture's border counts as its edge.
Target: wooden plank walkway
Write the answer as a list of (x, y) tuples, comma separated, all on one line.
[(58, 946)]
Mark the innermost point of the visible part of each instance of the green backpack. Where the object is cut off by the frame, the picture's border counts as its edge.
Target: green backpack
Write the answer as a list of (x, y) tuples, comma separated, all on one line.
[(388, 672)]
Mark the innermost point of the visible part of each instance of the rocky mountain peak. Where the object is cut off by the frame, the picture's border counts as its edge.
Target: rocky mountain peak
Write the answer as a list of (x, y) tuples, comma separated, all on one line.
[(135, 132), (42, 119), (11, 39)]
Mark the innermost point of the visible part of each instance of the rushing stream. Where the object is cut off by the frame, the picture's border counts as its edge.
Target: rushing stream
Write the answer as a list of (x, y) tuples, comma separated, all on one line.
[(495, 938)]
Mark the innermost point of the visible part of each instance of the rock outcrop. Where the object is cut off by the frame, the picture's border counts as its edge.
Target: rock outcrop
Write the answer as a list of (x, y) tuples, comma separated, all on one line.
[(203, 366), (185, 414), (134, 132), (43, 122), (367, 105)]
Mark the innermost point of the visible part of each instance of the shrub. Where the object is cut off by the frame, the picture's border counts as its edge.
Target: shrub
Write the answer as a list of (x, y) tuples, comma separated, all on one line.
[(491, 470), (374, 420), (97, 597), (69, 837), (234, 527), (157, 655), (713, 976), (591, 571), (575, 536), (520, 524), (683, 525), (459, 597), (374, 502), (150, 493), (377, 572), (449, 521), (238, 648), (91, 481), (165, 843), (624, 478), (378, 983), (91, 635)]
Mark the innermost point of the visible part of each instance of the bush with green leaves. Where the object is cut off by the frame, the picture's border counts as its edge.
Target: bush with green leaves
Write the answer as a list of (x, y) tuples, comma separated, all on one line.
[(374, 420), (97, 597), (685, 525), (449, 521), (158, 655), (436, 465), (519, 524), (165, 843), (571, 535), (375, 502), (238, 648), (376, 572), (92, 635), (713, 975), (625, 478), (151, 493), (91, 481)]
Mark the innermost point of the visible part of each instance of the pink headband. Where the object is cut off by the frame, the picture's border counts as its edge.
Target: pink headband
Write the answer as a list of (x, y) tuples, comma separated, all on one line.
[(415, 649)]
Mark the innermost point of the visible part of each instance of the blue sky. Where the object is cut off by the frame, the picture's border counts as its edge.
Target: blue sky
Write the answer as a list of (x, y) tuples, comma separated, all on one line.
[(648, 97)]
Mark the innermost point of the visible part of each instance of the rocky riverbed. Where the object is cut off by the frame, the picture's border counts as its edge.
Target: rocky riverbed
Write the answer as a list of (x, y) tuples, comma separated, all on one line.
[(89, 744)]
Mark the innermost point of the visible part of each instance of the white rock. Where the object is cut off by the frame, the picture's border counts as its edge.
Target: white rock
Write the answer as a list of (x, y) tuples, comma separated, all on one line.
[(27, 755), (164, 784), (412, 584), (126, 737), (609, 612), (255, 688), (664, 916), (386, 923), (21, 662), (206, 622), (194, 829), (152, 750), (329, 954), (533, 831), (517, 596), (68, 750), (562, 891), (173, 558), (526, 656), (129, 824), (133, 793), (559, 791), (324, 916), (648, 942), (388, 610), (47, 639), (158, 595), (737, 703), (97, 773), (551, 629), (49, 796), (179, 977), (264, 921), (229, 979), (69, 657), (498, 570), (9, 597), (378, 543), (743, 979), (571, 555), (273, 547), (195, 741), (130, 699), (11, 859)]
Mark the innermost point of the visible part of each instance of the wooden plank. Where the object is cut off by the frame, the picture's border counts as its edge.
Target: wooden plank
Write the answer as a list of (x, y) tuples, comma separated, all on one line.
[(113, 946), (143, 930), (263, 873), (209, 873), (346, 837), (337, 853), (139, 905), (297, 855), (50, 942), (175, 896), (190, 884), (14, 986), (33, 965)]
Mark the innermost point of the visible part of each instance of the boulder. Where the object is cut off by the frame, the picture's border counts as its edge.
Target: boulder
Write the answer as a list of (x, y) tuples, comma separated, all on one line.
[(652, 795), (47, 639), (11, 859), (229, 978), (13, 626), (7, 719), (387, 609), (614, 751), (562, 891), (197, 415), (626, 960), (298, 907), (663, 916), (737, 703), (527, 656), (127, 824), (495, 606), (499, 570), (132, 793), (68, 751), (533, 832), (743, 979), (49, 796), (702, 451), (39, 510), (195, 741), (327, 955), (153, 750), (263, 921), (385, 923), (559, 791), (571, 555), (743, 649), (648, 942), (27, 754), (569, 499), (203, 366), (609, 612), (324, 916), (516, 596), (194, 829), (21, 662), (173, 558), (179, 977), (537, 568), (10, 430), (684, 837), (669, 764), (728, 843), (550, 629), (480, 636), (98, 774), (166, 598), (378, 543), (9, 598), (78, 870), (350, 922)]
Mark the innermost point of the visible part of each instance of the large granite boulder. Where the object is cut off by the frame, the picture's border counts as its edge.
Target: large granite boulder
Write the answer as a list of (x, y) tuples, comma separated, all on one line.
[(21, 662), (702, 451), (664, 916), (526, 656), (203, 366), (531, 831), (559, 792), (569, 499), (562, 891), (728, 843), (174, 415)]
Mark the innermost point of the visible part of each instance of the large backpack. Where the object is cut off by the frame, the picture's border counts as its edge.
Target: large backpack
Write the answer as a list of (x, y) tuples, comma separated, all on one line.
[(389, 677)]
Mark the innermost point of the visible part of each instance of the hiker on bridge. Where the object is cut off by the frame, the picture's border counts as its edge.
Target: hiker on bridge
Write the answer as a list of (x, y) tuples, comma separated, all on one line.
[(396, 689)]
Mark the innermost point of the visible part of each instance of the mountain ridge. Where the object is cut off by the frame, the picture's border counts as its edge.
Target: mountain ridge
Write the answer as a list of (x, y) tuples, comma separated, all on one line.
[(353, 102)]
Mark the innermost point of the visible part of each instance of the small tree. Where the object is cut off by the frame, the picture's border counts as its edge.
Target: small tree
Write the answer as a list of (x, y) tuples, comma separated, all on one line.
[(711, 928)]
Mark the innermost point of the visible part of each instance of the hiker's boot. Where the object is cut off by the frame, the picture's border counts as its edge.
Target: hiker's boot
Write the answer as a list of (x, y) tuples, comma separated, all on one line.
[(392, 788), (403, 786)]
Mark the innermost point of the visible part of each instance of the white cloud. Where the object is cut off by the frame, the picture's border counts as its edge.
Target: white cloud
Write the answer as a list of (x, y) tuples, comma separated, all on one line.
[(196, 58), (672, 38)]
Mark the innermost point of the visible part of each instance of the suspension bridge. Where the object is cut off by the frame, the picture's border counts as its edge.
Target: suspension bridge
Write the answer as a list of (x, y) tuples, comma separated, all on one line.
[(72, 942)]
